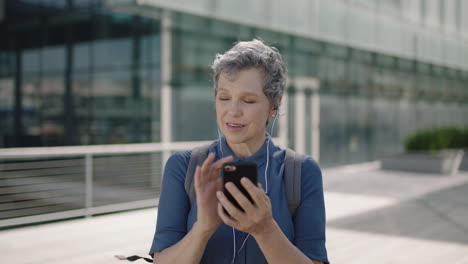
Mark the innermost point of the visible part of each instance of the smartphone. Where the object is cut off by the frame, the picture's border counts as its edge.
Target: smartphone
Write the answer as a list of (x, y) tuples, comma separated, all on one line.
[(233, 172)]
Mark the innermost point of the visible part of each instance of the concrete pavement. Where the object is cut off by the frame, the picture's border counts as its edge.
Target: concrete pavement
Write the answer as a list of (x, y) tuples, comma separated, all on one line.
[(373, 216)]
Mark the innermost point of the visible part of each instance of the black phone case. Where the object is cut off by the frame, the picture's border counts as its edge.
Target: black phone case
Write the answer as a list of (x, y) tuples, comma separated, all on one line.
[(243, 169)]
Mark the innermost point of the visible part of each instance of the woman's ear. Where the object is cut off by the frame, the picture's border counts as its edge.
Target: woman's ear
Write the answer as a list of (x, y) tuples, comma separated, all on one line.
[(275, 110), (279, 100)]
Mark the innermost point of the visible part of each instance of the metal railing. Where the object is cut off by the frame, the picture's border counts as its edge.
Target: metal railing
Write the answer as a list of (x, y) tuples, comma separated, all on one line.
[(52, 183)]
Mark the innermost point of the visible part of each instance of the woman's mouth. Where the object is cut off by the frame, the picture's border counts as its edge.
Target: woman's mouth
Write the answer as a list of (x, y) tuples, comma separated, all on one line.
[(234, 126)]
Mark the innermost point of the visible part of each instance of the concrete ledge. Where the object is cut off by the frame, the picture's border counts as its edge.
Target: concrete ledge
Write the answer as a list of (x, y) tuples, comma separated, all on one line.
[(353, 168)]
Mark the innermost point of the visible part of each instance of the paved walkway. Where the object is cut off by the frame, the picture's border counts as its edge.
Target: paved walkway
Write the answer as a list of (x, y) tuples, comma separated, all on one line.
[(373, 216)]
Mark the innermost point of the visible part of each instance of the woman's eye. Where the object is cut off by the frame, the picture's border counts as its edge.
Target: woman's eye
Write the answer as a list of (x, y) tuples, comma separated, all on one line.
[(249, 101), (223, 98)]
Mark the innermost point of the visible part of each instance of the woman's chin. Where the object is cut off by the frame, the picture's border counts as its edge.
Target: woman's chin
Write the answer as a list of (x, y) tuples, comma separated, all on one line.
[(233, 139)]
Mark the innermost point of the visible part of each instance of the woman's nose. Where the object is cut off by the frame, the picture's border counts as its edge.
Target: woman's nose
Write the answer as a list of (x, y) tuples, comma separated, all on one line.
[(235, 108)]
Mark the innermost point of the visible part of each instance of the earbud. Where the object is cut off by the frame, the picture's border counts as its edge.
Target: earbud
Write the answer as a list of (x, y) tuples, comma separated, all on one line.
[(275, 109)]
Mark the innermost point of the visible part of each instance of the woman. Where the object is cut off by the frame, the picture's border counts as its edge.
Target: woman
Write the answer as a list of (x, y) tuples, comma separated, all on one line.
[(249, 82)]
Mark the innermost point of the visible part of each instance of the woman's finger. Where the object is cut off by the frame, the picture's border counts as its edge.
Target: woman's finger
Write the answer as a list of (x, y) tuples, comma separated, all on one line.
[(265, 197), (219, 184), (235, 213), (207, 163), (226, 218), (205, 168), (241, 199), (217, 166), (256, 193), (220, 162)]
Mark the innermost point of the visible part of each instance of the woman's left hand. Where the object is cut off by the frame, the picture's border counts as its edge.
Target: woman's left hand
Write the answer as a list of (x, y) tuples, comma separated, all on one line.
[(256, 218)]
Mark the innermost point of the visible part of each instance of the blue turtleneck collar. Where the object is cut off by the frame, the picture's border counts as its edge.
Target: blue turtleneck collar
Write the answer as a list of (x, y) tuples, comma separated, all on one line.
[(259, 157)]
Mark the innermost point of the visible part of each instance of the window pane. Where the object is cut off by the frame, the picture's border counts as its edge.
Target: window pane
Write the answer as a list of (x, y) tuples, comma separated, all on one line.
[(82, 104), (81, 56), (42, 110), (6, 111), (32, 101), (52, 110), (191, 125), (31, 60), (53, 59), (112, 53), (150, 49), (111, 97)]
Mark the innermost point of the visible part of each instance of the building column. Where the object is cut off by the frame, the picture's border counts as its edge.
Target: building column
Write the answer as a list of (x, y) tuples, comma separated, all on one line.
[(70, 137), (315, 123), (283, 122), (136, 98), (18, 106), (166, 89), (313, 84), (299, 118)]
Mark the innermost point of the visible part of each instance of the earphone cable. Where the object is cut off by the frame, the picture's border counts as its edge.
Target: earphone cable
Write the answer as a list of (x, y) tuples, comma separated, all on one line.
[(266, 186), (268, 153)]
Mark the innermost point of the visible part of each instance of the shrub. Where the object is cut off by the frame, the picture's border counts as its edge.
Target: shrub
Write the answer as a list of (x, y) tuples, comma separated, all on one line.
[(437, 139)]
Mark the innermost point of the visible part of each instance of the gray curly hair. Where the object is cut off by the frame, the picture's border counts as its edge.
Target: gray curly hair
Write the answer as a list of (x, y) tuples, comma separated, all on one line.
[(254, 54)]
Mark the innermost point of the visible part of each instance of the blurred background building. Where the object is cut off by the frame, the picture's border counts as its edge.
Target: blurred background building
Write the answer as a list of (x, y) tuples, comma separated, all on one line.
[(89, 72), (363, 73)]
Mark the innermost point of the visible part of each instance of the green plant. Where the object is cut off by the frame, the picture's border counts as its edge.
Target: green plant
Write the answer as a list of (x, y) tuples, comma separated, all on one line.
[(437, 139)]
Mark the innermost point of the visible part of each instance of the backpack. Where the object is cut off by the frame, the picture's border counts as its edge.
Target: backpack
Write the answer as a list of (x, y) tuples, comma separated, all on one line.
[(292, 182), (292, 175)]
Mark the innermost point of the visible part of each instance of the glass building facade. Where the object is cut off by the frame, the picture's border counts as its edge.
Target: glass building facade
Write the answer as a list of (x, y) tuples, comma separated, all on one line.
[(72, 73), (80, 73)]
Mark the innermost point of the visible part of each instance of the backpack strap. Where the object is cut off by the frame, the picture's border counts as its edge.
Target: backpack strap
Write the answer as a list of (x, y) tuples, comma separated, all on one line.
[(197, 157), (292, 179)]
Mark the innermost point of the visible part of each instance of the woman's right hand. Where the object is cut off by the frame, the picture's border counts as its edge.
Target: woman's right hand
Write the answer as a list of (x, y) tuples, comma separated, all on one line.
[(207, 183)]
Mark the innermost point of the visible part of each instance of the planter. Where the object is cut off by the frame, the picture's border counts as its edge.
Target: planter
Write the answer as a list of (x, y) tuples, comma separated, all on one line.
[(464, 162), (441, 162)]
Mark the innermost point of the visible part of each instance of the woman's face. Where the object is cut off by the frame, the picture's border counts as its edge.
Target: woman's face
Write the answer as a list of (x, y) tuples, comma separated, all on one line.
[(242, 109)]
